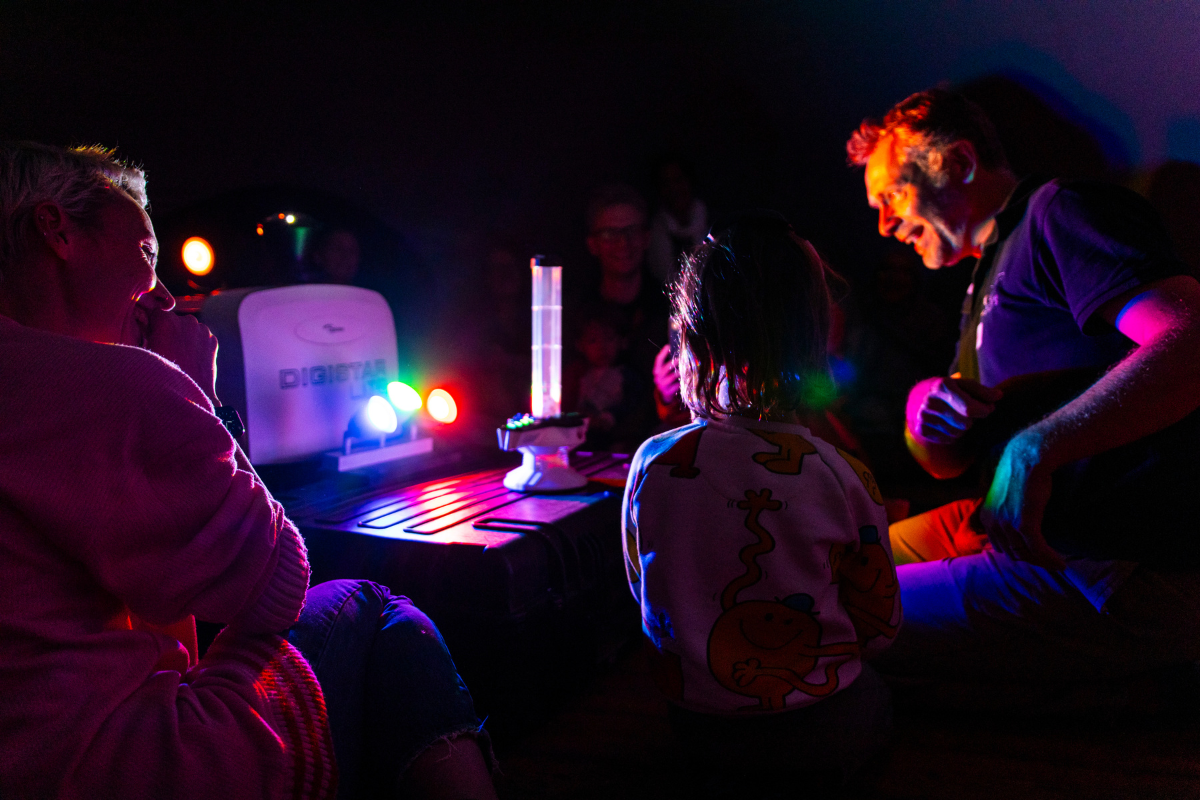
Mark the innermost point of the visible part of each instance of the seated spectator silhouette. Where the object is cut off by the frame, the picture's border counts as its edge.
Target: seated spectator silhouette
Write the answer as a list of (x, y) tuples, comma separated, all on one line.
[(680, 223), (334, 255)]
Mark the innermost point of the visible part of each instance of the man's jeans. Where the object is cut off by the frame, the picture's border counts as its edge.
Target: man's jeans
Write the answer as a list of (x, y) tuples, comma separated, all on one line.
[(976, 618)]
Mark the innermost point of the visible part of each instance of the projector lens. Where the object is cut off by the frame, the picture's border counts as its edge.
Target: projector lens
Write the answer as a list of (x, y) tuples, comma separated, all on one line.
[(442, 406), (403, 396), (198, 256), (381, 415)]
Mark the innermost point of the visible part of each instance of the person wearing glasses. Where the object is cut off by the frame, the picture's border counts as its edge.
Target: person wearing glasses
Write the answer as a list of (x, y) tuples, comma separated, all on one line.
[(624, 293)]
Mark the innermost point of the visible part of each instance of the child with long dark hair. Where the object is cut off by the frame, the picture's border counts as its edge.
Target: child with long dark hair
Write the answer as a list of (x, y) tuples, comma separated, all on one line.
[(759, 552)]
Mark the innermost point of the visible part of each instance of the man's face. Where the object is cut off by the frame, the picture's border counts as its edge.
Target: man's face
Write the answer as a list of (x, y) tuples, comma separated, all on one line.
[(935, 222), (340, 256), (619, 239)]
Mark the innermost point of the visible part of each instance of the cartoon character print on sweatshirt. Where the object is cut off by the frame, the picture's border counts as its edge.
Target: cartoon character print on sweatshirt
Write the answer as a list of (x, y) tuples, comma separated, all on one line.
[(681, 457), (789, 457), (867, 585), (765, 648), (864, 475)]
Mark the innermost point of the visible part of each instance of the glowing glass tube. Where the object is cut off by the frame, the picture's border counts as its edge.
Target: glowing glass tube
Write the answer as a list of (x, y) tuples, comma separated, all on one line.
[(547, 339)]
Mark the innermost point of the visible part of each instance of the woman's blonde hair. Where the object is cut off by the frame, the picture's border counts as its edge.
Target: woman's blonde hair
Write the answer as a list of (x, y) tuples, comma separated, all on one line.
[(76, 179)]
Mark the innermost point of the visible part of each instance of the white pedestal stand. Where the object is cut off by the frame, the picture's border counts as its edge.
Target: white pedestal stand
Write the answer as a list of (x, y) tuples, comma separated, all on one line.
[(545, 447)]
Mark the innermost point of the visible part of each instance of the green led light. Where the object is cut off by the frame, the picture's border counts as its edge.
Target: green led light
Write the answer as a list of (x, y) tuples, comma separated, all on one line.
[(403, 396), (819, 391)]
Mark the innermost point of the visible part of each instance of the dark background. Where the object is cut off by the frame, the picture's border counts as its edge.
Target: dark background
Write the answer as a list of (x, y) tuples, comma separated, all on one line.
[(451, 122), (442, 129)]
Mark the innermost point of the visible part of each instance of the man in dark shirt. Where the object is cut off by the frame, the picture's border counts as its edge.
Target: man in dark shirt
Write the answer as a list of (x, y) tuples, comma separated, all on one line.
[(629, 298), (1060, 572)]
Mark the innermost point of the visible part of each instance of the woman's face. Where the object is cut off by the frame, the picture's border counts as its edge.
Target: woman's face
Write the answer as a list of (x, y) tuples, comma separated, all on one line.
[(121, 248), (117, 255)]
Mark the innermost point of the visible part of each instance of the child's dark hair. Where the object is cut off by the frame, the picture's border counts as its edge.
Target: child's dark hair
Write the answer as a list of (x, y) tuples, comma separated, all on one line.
[(753, 307)]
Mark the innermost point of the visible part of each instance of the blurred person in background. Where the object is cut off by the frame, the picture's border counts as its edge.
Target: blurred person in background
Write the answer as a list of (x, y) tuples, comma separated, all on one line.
[(334, 255), (623, 292), (680, 223), (614, 398)]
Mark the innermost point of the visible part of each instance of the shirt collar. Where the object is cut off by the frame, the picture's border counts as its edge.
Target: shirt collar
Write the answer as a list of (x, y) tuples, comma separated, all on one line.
[(1014, 207)]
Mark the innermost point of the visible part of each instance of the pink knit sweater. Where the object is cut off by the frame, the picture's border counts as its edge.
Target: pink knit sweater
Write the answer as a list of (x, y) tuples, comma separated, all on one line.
[(125, 509)]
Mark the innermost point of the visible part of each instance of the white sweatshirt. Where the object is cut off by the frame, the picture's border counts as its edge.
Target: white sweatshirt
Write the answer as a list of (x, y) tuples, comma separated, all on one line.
[(760, 557)]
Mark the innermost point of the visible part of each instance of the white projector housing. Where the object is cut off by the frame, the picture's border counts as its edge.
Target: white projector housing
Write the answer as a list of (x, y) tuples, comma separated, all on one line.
[(298, 361)]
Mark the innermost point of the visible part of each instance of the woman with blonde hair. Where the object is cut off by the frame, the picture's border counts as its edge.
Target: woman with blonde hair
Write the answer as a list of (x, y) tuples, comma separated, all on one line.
[(127, 510)]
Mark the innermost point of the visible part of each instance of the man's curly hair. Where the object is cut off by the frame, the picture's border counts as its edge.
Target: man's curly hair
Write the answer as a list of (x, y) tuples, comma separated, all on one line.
[(923, 126)]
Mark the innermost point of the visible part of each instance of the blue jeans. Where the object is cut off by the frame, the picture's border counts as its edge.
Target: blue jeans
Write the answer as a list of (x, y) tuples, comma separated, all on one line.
[(984, 631), (391, 688)]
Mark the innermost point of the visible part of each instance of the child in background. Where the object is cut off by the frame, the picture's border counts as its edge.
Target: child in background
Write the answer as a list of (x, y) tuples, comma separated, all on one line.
[(758, 552), (615, 401)]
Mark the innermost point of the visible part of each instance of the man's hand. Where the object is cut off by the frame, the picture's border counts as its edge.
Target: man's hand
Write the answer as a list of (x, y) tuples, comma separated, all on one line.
[(1011, 514), (940, 410), (666, 376), (185, 341)]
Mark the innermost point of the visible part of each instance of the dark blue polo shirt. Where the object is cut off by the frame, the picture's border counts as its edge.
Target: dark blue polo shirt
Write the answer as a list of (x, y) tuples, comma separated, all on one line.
[(1061, 251)]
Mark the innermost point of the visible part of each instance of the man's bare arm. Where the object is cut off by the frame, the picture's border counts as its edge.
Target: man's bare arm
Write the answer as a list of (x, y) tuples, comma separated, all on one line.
[(1155, 385)]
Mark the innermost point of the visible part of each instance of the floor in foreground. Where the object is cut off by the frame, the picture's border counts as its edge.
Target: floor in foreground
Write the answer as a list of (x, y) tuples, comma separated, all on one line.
[(614, 742)]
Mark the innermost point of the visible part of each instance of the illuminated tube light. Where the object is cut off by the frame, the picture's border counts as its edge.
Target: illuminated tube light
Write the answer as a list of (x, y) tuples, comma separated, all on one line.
[(441, 406), (198, 256), (403, 396), (547, 340)]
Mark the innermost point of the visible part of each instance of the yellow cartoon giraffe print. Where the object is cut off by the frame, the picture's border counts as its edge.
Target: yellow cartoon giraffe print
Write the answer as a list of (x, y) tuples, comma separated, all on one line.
[(789, 457)]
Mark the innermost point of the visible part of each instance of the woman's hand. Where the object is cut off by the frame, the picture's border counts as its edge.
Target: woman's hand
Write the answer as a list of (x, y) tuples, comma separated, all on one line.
[(183, 340), (666, 377)]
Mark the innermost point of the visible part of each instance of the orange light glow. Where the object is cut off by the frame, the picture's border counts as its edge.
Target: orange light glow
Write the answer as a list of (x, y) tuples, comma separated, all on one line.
[(198, 256), (259, 230), (281, 216), (441, 406)]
